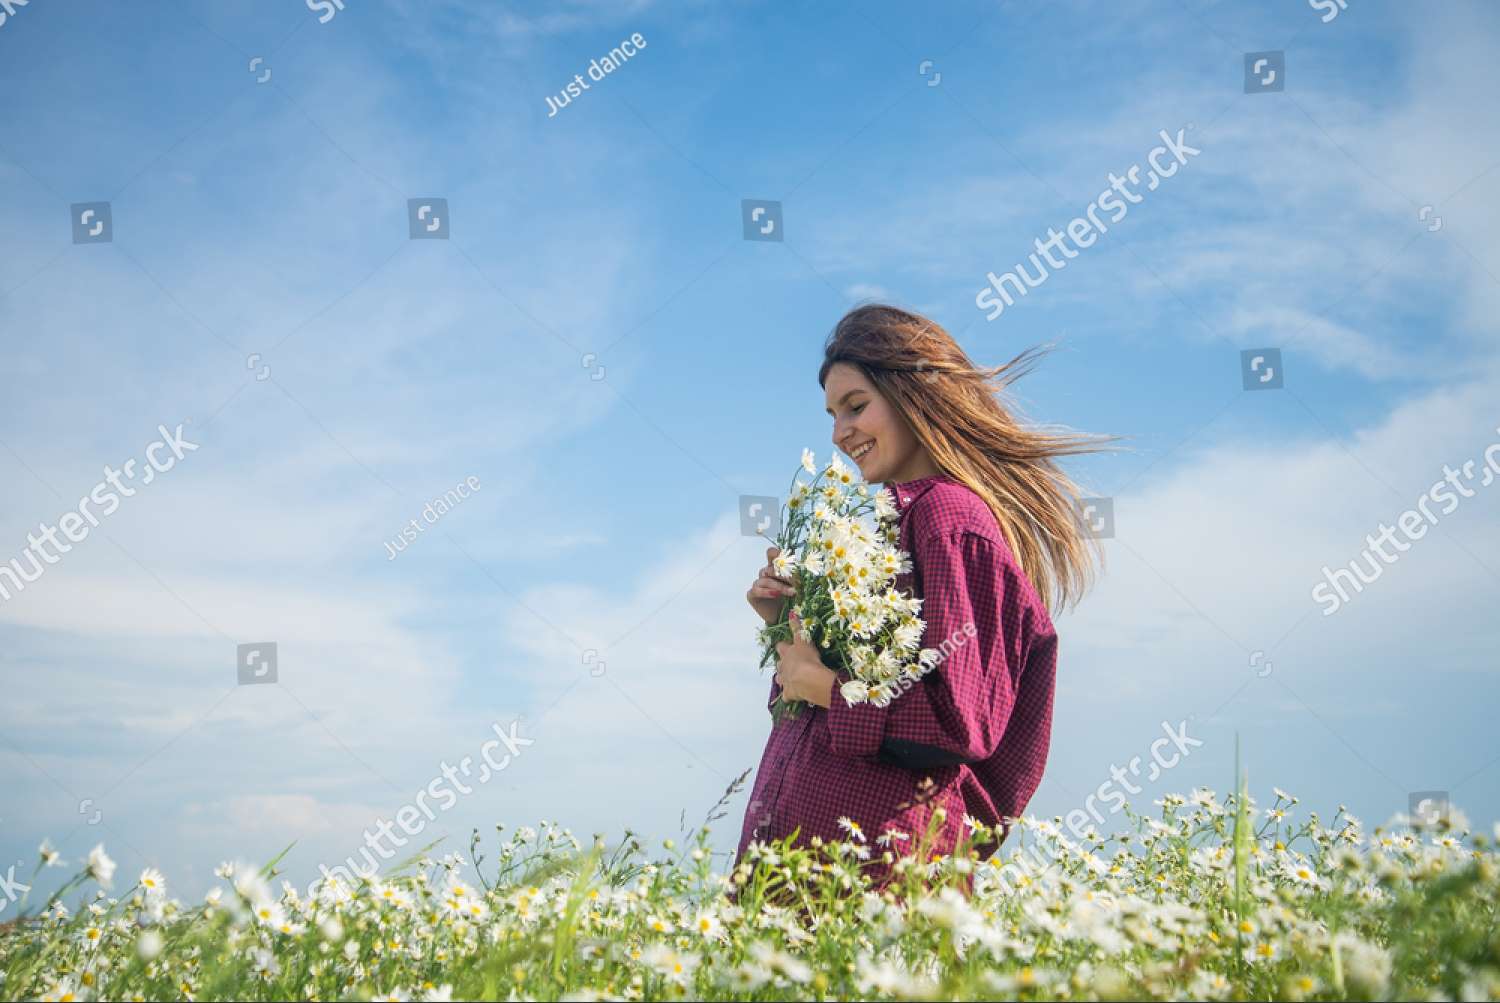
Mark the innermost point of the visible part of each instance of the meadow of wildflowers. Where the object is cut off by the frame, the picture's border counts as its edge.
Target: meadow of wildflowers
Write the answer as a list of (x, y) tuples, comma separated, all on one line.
[(1202, 899)]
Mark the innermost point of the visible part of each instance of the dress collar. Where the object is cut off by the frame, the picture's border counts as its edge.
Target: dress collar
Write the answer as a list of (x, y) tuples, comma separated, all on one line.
[(905, 493)]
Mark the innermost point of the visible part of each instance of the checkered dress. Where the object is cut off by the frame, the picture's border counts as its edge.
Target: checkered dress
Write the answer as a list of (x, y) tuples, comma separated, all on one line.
[(971, 736)]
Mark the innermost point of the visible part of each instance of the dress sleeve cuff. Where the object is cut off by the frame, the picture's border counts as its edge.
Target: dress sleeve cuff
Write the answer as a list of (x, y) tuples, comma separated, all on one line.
[(854, 731)]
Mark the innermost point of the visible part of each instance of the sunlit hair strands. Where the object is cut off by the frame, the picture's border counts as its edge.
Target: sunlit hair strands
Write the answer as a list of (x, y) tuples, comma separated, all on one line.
[(959, 414)]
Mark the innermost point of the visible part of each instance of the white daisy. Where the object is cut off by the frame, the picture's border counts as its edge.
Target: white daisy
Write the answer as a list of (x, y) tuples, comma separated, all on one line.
[(101, 868), (852, 828), (855, 691), (708, 925), (676, 967), (153, 882)]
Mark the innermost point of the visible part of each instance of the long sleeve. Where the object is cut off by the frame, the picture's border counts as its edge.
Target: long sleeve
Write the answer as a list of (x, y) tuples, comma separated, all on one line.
[(854, 731), (959, 710), (971, 736)]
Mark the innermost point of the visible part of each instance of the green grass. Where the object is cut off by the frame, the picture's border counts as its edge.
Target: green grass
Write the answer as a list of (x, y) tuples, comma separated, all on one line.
[(1203, 899)]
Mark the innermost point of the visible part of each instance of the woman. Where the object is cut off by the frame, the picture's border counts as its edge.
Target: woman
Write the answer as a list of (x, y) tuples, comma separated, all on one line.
[(995, 537)]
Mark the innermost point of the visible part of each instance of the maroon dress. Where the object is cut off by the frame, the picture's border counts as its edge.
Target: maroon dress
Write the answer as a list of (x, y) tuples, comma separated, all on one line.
[(971, 736)]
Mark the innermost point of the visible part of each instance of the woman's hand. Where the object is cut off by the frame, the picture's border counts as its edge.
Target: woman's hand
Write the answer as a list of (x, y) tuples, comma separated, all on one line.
[(769, 593), (800, 669)]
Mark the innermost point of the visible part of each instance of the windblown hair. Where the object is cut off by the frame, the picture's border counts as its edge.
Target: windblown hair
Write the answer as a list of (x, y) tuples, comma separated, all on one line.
[(956, 412)]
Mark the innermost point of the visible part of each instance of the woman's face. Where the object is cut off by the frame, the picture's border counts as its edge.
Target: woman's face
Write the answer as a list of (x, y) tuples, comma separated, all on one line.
[(869, 430)]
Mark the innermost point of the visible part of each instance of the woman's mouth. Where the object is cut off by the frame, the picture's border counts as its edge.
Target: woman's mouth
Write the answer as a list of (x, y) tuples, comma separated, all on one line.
[(861, 451)]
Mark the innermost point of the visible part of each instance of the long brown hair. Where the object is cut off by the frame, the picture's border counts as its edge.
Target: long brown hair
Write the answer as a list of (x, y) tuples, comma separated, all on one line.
[(957, 414)]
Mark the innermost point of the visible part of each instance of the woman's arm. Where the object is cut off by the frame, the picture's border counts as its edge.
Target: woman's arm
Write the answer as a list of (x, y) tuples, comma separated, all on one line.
[(973, 610)]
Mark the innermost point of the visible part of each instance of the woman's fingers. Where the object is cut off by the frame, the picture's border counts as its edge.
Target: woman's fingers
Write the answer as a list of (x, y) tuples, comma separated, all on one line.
[(770, 572)]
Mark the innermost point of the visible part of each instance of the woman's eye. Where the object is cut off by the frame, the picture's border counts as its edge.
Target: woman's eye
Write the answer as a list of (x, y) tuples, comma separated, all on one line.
[(859, 409)]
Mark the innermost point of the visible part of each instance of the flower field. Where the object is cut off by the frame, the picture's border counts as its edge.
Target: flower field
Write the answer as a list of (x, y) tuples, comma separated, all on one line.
[(1204, 898)]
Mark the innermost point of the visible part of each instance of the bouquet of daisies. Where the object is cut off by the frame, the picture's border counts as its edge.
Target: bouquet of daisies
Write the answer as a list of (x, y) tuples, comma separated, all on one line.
[(842, 564)]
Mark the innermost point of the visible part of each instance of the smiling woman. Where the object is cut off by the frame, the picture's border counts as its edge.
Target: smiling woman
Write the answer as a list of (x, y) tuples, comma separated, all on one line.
[(996, 539)]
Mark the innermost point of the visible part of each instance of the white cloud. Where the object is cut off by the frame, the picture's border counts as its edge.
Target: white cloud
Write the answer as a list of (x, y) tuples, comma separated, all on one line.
[(865, 290), (1335, 345), (280, 816)]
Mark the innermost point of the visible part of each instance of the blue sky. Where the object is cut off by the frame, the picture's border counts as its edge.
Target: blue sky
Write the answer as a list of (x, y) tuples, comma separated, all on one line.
[(270, 219)]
